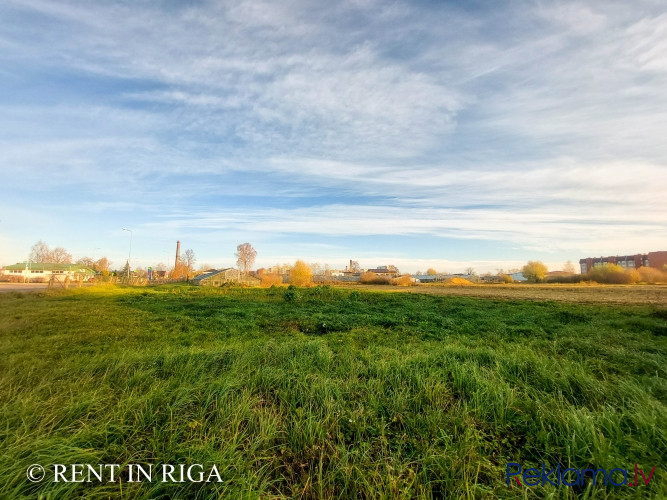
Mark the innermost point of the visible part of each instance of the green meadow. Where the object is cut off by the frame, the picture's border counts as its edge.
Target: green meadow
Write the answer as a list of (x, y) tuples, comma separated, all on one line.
[(328, 393)]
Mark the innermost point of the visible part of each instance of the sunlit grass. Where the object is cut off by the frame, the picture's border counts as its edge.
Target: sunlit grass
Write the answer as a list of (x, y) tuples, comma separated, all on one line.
[(331, 394)]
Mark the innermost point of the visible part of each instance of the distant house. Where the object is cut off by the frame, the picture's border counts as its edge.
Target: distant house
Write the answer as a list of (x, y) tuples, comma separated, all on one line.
[(518, 276), (43, 271), (219, 277)]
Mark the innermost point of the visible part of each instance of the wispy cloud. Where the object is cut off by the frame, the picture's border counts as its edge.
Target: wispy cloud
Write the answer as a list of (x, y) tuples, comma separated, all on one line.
[(536, 124)]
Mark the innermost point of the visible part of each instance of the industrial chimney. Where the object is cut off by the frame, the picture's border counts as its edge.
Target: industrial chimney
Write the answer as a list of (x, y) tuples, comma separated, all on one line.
[(178, 254)]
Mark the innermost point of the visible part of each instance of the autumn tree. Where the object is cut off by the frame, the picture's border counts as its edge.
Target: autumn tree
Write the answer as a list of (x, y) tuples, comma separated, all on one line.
[(245, 256), (270, 279), (431, 272), (301, 274), (534, 271), (102, 265)]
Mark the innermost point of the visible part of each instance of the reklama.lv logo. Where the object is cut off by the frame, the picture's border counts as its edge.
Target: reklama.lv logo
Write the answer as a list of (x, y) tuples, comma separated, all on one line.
[(574, 477)]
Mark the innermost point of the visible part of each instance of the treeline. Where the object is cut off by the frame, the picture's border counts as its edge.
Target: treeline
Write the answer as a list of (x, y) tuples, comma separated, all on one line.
[(614, 274)]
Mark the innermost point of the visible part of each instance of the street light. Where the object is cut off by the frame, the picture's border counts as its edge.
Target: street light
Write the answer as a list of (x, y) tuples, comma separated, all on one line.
[(129, 256)]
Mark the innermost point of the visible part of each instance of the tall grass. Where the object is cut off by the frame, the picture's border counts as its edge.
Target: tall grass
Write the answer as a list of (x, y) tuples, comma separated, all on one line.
[(330, 394)]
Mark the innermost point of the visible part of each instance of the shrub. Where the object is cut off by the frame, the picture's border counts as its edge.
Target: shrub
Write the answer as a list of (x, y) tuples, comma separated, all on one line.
[(291, 294), (370, 278), (271, 279), (651, 275), (506, 278), (613, 274), (405, 280)]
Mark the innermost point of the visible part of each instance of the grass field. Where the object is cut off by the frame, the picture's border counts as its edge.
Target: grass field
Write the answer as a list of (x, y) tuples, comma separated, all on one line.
[(580, 293), (329, 393)]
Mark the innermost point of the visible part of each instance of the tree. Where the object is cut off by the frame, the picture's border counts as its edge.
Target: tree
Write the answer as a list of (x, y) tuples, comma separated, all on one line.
[(569, 267), (40, 252), (86, 262), (301, 274), (60, 256), (102, 265), (534, 271), (245, 256), (188, 259), (470, 271), (431, 272)]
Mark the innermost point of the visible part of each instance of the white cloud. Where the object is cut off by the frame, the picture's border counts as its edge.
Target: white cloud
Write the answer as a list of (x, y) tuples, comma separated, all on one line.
[(537, 124)]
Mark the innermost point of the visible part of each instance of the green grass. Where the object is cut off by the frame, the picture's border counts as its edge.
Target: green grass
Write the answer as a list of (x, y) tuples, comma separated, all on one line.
[(332, 394)]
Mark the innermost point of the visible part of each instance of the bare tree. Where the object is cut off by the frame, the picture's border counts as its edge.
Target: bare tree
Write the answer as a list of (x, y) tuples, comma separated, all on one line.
[(188, 259), (86, 262), (569, 267), (470, 271), (60, 256), (40, 252), (245, 256)]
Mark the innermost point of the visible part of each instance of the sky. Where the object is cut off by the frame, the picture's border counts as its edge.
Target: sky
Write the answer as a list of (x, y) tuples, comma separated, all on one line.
[(417, 133)]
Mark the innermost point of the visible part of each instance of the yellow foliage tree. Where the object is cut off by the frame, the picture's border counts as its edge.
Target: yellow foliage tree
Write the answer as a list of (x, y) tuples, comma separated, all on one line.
[(431, 272), (301, 274), (535, 271)]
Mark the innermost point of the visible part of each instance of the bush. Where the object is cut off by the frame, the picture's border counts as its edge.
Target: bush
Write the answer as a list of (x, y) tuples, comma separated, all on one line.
[(506, 278), (271, 279), (291, 294), (651, 275), (370, 278), (613, 274), (405, 280)]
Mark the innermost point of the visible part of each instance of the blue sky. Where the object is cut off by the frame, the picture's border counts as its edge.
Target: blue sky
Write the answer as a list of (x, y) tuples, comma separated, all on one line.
[(420, 134)]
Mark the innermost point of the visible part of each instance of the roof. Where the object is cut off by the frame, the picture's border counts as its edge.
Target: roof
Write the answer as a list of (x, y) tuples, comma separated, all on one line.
[(210, 274), (48, 266)]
